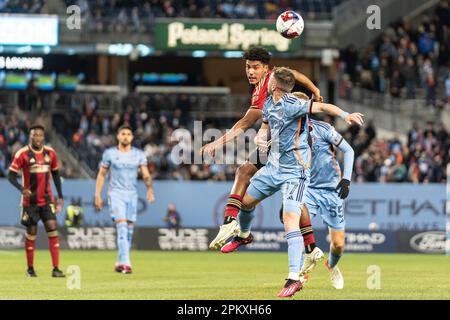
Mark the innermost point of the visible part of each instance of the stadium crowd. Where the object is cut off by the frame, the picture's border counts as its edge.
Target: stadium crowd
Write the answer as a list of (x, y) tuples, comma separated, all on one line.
[(14, 135), (136, 15), (405, 60), (422, 158), (21, 6)]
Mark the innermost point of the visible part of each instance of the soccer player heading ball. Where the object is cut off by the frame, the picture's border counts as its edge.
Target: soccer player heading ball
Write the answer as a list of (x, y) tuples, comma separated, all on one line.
[(288, 167), (258, 72), (36, 161)]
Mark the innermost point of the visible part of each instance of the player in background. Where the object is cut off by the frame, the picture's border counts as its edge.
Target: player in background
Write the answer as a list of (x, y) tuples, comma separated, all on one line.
[(258, 72), (123, 162), (37, 162), (288, 167)]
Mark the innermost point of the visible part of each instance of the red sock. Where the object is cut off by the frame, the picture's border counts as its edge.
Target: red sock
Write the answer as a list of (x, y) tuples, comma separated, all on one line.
[(53, 246), (308, 236), (29, 250), (234, 204)]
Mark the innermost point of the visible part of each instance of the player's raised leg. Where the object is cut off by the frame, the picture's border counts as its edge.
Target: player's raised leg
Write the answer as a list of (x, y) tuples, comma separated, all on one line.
[(336, 250), (246, 215), (230, 225)]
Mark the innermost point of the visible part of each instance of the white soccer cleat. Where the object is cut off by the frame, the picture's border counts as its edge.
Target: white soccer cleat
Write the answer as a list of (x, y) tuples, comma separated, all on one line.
[(225, 232), (337, 279), (311, 260)]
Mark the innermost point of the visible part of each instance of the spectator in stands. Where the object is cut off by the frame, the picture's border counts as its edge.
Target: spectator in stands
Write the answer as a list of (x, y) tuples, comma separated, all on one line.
[(74, 213), (172, 218)]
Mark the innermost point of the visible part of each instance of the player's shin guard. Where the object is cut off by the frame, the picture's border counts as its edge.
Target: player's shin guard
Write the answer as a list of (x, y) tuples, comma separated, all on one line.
[(295, 253), (308, 234), (130, 236), (29, 249), (234, 204), (53, 246), (122, 243), (245, 222)]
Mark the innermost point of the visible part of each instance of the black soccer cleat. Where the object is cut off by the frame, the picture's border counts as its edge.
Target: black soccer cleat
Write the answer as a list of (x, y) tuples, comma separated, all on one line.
[(56, 273), (31, 273)]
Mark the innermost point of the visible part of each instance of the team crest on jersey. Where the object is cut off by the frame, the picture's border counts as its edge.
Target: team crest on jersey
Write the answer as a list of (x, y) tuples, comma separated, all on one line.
[(280, 113), (32, 161), (47, 158)]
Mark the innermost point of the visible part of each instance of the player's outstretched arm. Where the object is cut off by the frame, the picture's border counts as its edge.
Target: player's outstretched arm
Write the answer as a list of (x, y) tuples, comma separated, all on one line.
[(343, 188), (332, 110), (248, 120), (307, 83), (146, 176), (101, 176)]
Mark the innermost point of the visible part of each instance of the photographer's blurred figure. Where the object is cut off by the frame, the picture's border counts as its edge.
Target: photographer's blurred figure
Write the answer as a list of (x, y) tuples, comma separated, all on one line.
[(74, 213), (172, 218)]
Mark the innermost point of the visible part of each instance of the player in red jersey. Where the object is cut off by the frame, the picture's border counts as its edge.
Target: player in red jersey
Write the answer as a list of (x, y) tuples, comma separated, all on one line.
[(258, 72), (36, 161)]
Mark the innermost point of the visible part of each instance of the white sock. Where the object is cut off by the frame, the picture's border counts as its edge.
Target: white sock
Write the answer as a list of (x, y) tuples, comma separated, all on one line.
[(244, 234), (293, 276)]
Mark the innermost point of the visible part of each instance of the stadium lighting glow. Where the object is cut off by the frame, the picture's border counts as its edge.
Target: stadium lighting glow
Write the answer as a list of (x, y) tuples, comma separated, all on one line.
[(232, 54), (120, 49), (47, 49), (199, 54), (23, 50), (144, 50), (37, 30)]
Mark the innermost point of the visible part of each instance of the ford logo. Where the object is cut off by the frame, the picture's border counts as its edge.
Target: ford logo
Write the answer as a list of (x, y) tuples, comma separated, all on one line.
[(11, 238), (428, 242)]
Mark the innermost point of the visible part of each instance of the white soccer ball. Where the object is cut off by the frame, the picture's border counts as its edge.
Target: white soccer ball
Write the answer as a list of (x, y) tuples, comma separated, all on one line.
[(290, 24)]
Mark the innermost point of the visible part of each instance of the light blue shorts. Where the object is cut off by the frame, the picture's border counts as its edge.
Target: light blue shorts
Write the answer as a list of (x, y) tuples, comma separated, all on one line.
[(122, 205), (328, 205), (293, 186)]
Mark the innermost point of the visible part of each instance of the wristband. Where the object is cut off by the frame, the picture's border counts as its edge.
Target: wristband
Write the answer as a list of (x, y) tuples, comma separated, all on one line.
[(344, 115)]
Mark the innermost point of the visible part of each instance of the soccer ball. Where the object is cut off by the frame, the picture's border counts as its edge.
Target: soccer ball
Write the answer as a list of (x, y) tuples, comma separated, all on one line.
[(290, 24)]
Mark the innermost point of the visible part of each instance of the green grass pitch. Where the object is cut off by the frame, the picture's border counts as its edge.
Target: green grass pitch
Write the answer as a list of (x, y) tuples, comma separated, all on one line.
[(211, 275)]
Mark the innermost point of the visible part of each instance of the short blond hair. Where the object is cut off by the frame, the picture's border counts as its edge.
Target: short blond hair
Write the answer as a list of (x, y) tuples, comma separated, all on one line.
[(301, 95), (285, 78)]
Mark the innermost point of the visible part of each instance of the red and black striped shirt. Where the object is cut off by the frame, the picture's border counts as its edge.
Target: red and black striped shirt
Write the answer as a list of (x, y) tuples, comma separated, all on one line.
[(36, 169)]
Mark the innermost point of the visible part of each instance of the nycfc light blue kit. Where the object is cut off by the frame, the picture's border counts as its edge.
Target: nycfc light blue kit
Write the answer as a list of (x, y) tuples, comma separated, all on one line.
[(290, 155), (321, 197), (122, 188)]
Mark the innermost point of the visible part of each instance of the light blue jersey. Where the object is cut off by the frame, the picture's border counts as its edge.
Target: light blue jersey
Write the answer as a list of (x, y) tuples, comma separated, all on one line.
[(123, 167), (288, 122), (325, 170), (322, 197), (289, 158), (123, 196)]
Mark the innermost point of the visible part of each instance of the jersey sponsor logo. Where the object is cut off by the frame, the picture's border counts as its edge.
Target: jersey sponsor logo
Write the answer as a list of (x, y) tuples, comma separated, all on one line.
[(38, 168)]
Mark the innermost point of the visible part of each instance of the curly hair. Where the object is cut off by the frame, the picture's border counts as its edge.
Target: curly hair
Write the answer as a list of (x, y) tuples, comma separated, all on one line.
[(257, 54)]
